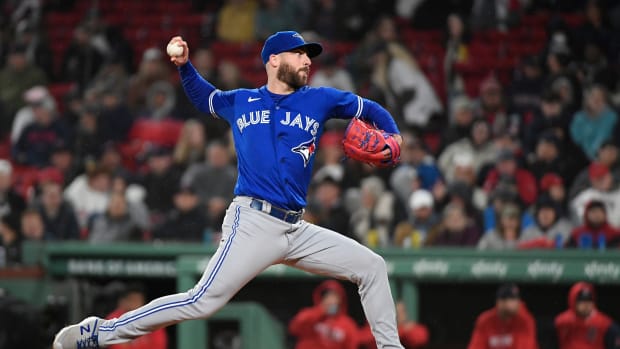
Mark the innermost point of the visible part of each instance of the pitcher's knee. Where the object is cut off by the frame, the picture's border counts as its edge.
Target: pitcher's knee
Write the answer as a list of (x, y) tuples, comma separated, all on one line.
[(372, 266)]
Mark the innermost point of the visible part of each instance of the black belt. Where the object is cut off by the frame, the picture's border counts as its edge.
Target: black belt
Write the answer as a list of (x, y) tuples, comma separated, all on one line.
[(279, 213)]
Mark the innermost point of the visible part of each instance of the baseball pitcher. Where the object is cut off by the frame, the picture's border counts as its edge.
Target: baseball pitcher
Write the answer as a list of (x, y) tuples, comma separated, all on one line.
[(276, 130)]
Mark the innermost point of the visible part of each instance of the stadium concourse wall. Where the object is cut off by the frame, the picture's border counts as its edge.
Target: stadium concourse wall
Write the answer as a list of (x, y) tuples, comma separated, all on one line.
[(53, 263)]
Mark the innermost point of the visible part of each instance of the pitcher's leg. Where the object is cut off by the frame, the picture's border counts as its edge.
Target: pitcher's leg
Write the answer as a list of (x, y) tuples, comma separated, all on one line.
[(244, 252), (322, 251)]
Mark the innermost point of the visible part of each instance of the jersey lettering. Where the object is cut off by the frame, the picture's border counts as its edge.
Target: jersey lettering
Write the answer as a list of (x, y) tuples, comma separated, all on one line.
[(255, 118), (311, 125)]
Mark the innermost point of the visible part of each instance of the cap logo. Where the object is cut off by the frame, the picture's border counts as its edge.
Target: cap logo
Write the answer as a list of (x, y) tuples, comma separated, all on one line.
[(297, 35)]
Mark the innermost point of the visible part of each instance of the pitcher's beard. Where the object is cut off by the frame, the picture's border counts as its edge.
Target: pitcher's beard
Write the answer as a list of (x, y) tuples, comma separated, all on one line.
[(293, 78)]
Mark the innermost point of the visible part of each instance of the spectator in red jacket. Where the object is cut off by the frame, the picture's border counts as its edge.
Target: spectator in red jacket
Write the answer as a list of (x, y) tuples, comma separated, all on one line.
[(507, 172), (132, 298), (325, 325), (595, 230), (582, 326), (509, 325), (412, 334)]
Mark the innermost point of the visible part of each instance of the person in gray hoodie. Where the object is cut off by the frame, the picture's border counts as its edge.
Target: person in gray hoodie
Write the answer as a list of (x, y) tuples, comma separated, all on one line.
[(550, 229), (117, 223)]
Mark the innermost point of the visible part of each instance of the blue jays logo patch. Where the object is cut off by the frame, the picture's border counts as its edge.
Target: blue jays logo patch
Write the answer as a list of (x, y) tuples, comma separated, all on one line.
[(305, 149)]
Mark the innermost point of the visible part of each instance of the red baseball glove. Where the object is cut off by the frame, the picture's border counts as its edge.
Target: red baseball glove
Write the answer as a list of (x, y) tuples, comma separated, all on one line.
[(364, 142)]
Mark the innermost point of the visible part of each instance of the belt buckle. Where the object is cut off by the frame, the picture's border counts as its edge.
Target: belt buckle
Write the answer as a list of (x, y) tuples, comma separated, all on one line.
[(295, 216)]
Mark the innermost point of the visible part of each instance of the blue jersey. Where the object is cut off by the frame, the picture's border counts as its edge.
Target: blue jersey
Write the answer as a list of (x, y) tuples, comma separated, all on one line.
[(276, 136)]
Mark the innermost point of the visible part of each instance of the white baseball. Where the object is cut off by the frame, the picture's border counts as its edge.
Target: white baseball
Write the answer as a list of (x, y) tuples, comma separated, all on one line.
[(174, 50)]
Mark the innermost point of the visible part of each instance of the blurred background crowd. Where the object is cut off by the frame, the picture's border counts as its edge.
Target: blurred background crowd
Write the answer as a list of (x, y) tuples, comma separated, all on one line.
[(508, 110)]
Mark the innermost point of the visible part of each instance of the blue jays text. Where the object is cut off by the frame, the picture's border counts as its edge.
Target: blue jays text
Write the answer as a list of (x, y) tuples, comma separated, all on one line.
[(276, 136)]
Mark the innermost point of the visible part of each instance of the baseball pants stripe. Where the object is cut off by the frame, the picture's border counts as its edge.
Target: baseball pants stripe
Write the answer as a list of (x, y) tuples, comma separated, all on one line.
[(252, 241), (128, 318)]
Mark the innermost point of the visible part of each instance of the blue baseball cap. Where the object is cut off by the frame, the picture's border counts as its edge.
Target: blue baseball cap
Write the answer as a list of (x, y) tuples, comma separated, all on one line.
[(288, 41)]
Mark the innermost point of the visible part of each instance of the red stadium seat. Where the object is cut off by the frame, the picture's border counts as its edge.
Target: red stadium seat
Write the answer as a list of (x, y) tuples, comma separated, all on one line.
[(145, 133), (58, 91)]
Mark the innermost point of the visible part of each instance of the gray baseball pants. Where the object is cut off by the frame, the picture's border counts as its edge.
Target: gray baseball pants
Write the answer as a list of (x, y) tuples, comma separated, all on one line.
[(252, 241)]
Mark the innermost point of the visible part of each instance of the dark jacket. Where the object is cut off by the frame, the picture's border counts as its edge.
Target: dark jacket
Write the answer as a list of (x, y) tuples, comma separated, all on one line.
[(63, 226), (443, 237), (183, 226), (34, 146)]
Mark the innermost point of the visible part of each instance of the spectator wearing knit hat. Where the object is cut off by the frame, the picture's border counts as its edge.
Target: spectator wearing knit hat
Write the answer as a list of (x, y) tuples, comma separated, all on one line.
[(602, 189), (551, 229), (422, 220)]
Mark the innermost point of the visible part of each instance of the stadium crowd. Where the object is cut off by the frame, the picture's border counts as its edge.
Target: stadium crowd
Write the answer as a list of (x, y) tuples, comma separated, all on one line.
[(524, 159)]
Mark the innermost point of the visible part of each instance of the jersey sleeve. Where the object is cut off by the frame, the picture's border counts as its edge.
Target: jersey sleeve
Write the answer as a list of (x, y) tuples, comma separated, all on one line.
[(349, 105), (204, 96)]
